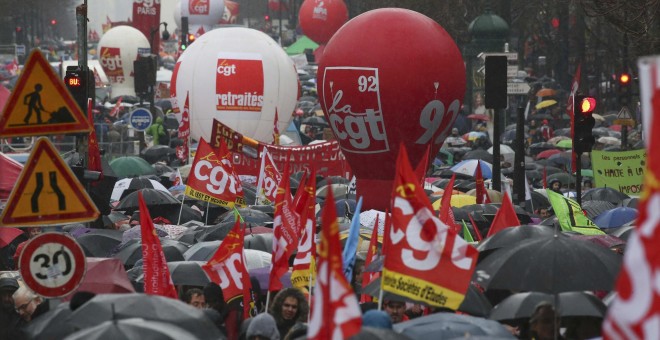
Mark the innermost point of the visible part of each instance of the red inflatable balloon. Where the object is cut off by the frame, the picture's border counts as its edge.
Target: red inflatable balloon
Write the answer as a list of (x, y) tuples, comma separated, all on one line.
[(320, 19), (383, 85)]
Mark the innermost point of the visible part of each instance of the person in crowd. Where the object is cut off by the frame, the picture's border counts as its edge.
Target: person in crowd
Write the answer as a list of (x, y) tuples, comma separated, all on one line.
[(544, 324), (215, 301), (29, 305), (157, 131), (396, 310), (289, 306), (414, 311), (586, 185), (555, 185), (195, 298), (263, 327), (31, 233), (80, 298), (546, 131), (10, 320), (377, 319)]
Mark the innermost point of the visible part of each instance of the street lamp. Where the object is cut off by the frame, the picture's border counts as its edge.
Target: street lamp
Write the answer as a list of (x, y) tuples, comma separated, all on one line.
[(165, 36)]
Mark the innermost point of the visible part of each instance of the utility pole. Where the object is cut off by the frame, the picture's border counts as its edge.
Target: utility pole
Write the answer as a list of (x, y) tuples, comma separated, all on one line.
[(81, 19)]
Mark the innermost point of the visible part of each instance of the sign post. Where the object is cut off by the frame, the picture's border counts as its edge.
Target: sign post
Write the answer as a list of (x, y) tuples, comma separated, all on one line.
[(52, 265), (140, 119)]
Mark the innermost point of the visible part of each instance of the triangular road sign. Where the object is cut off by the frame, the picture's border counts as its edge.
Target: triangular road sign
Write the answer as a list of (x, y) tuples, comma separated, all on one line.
[(47, 192), (40, 104)]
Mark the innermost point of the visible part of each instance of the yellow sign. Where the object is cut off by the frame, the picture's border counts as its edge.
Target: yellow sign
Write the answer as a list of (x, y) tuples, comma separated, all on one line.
[(40, 104), (47, 192)]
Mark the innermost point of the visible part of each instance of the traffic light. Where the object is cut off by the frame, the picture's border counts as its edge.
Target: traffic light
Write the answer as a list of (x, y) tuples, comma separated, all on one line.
[(583, 123), (53, 22), (81, 85), (184, 33), (191, 38), (624, 86), (267, 18), (144, 69)]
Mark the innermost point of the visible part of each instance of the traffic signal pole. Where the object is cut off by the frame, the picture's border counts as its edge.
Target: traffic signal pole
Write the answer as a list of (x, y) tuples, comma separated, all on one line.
[(82, 145)]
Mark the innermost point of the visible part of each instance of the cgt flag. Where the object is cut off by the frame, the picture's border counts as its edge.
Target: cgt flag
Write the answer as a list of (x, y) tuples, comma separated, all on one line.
[(303, 275), (212, 180), (335, 311), (227, 266), (183, 151), (426, 260), (269, 177)]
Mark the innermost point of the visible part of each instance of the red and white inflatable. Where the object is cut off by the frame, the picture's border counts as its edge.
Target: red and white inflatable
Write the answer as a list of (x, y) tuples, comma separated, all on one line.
[(202, 14), (320, 19), (117, 49)]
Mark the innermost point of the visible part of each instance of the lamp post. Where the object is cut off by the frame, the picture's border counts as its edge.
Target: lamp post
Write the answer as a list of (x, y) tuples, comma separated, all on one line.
[(165, 36)]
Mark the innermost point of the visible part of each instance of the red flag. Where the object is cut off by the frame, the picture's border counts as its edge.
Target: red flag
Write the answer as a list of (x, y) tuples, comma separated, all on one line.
[(335, 311), (212, 178), (575, 86), (446, 214), (476, 229), (371, 255), (285, 235), (200, 31), (94, 163), (268, 179), (115, 110), (227, 266), (505, 217), (423, 165), (305, 261), (635, 311), (304, 191), (157, 279), (421, 246), (482, 193), (183, 151)]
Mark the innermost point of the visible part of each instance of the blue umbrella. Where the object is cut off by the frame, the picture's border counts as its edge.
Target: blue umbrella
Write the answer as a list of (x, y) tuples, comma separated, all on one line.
[(469, 167), (616, 217)]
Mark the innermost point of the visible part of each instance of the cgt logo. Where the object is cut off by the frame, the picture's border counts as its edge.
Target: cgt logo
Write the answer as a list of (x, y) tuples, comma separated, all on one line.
[(358, 120), (198, 7), (111, 60), (226, 70)]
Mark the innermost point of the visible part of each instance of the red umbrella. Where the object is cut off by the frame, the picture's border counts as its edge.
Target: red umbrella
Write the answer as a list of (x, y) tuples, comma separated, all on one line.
[(104, 275), (615, 127), (8, 234), (477, 116), (547, 153)]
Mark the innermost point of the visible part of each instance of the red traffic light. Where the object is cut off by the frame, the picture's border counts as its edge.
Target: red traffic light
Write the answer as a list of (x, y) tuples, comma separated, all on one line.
[(267, 17), (53, 22), (587, 105), (624, 78)]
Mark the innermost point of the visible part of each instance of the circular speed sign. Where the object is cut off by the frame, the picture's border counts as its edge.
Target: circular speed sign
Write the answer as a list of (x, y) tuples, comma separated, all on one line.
[(52, 265)]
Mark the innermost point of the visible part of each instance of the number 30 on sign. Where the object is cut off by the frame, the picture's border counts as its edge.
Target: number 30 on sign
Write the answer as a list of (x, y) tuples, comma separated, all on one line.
[(52, 265)]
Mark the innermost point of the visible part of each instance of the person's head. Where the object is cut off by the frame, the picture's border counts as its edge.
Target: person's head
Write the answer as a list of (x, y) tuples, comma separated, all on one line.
[(195, 298), (34, 232), (8, 285), (26, 302), (213, 297), (395, 309), (454, 132), (263, 327), (555, 185), (545, 122), (586, 184), (543, 323), (544, 213), (289, 305), (377, 319)]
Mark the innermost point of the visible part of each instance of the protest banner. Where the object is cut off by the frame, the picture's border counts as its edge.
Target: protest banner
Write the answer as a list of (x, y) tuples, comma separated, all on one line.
[(619, 170)]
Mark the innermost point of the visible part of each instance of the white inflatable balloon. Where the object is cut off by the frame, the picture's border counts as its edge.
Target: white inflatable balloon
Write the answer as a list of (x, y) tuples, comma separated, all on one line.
[(118, 48), (239, 76), (200, 13)]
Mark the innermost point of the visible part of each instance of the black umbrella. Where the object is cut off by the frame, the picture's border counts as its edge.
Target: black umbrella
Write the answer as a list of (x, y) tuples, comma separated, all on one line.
[(315, 121), (522, 305), (333, 180), (540, 117), (509, 237), (562, 159), (605, 194), (539, 200), (566, 132), (215, 232), (371, 333), (162, 169), (263, 242), (104, 307), (188, 273), (170, 122), (563, 177), (538, 147), (164, 104), (53, 324), (464, 185), (621, 232), (450, 326), (201, 251), (550, 264), (152, 198), (479, 154), (595, 208), (134, 328), (158, 153), (632, 202), (172, 214), (99, 242), (249, 216), (131, 251)]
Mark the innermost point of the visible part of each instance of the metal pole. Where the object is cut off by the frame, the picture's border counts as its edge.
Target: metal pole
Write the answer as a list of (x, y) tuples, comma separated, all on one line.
[(519, 160), (497, 177), (81, 19), (578, 178)]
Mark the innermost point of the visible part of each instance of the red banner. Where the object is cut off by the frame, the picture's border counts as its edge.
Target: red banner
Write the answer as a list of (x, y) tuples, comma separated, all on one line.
[(239, 82), (227, 266), (269, 177), (421, 246), (325, 158), (146, 17), (157, 279), (183, 151), (305, 261), (112, 66), (284, 232), (211, 180)]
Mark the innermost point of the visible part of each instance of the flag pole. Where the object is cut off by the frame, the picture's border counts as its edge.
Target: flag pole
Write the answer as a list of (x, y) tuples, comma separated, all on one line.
[(207, 213), (178, 222), (267, 301)]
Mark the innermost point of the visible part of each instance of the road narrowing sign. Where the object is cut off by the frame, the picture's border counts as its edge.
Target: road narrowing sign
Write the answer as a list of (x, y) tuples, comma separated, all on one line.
[(47, 192), (40, 104), (52, 265)]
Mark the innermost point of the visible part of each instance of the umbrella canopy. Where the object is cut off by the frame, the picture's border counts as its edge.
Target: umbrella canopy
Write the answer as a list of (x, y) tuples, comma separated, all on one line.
[(494, 195), (131, 252), (189, 273), (126, 186), (546, 92), (565, 144), (448, 325), (134, 328), (469, 167), (457, 201), (522, 305), (263, 276), (605, 194), (547, 153), (478, 116), (53, 324), (616, 217), (104, 307), (185, 170), (152, 197), (163, 169), (536, 148), (9, 234), (479, 154), (203, 251), (99, 242), (595, 208), (563, 177), (263, 242), (158, 153), (473, 135), (249, 215), (607, 241), (315, 121), (131, 166), (103, 276), (545, 103), (550, 264), (510, 237)]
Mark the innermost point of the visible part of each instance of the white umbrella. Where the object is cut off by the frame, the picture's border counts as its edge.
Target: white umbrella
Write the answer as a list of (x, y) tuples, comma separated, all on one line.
[(134, 184), (469, 167), (506, 151)]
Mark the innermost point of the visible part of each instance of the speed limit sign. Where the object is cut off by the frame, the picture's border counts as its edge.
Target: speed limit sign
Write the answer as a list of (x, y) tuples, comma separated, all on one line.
[(52, 264)]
